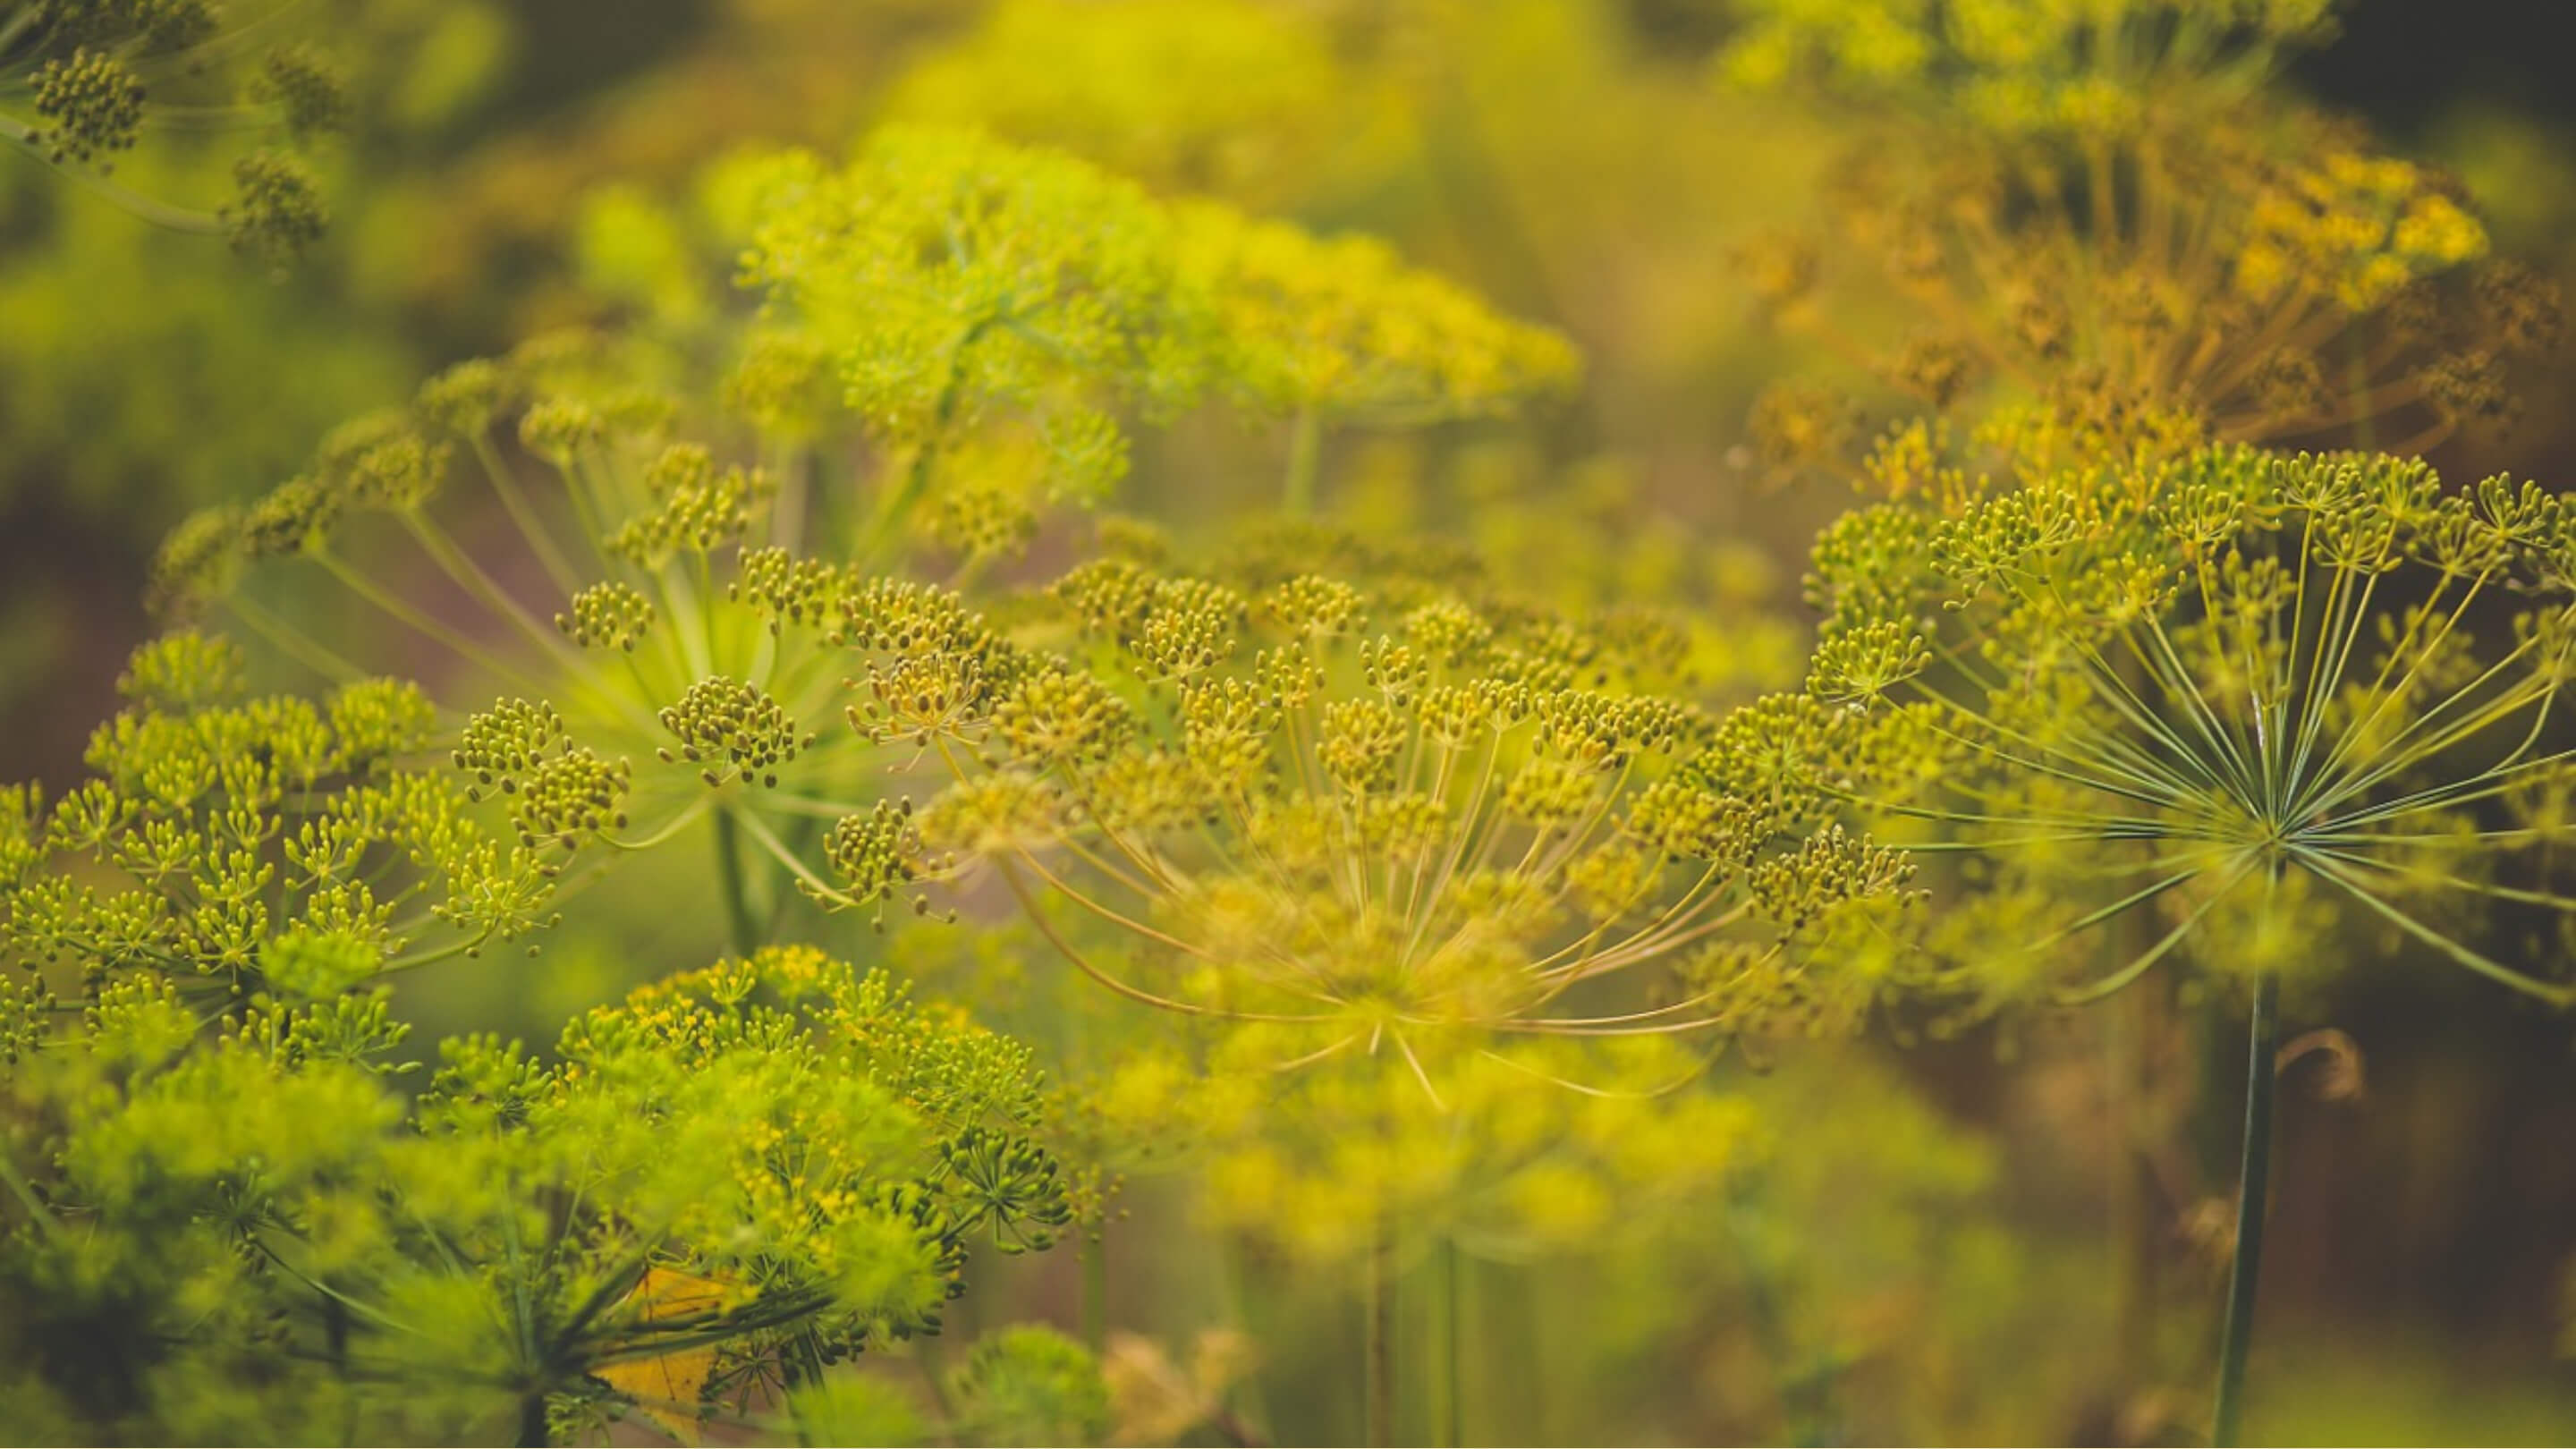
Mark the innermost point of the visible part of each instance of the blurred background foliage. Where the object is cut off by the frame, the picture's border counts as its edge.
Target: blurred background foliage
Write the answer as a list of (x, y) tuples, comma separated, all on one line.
[(1929, 1242)]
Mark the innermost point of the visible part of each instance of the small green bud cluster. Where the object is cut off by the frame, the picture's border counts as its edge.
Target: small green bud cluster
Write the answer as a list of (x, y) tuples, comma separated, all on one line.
[(733, 729), (934, 667), (560, 793), (276, 211), (561, 429), (95, 104), (611, 615), (82, 67), (377, 463), (306, 87), (1062, 717), (876, 855), (1007, 1185), (700, 509)]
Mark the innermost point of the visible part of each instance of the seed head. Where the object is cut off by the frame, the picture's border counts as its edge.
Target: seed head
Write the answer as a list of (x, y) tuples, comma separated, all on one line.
[(610, 615), (95, 104), (276, 210), (732, 729)]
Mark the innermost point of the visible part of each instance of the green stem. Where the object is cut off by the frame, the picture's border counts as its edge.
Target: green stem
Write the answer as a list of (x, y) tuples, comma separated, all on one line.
[(1095, 1291), (2254, 1180), (2131, 1026), (729, 876), (1800, 1383), (1381, 1338), (25, 1192), (532, 1420), (1305, 451), (800, 834), (1453, 1402), (159, 213), (1236, 1264)]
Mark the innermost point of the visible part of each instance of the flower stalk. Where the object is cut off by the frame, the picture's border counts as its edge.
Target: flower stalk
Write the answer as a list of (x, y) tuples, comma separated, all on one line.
[(2254, 1178)]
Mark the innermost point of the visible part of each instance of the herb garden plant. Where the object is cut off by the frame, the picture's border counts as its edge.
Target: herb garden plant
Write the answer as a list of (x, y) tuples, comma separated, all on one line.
[(944, 633)]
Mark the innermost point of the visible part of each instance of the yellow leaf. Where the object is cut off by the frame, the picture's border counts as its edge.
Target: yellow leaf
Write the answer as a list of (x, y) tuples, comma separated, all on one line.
[(667, 1386)]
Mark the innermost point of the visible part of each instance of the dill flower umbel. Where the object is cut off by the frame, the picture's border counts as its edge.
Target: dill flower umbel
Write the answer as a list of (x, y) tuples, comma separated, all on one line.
[(957, 277), (2240, 688), (1433, 888), (705, 574), (243, 844), (1376, 813), (2102, 210), (2255, 712), (705, 1196)]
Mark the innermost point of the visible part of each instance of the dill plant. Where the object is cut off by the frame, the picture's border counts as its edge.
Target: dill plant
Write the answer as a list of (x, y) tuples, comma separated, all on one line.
[(227, 1220), (83, 80), (1442, 888), (687, 1215), (955, 331), (1435, 897), (2109, 214), (957, 337), (2282, 710), (229, 840)]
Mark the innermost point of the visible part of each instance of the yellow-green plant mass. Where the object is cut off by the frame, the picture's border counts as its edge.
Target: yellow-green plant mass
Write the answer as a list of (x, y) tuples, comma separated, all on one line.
[(92, 75), (1058, 770), (2103, 210)]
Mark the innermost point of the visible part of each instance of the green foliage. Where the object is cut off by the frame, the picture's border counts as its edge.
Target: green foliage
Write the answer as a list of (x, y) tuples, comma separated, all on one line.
[(710, 1192)]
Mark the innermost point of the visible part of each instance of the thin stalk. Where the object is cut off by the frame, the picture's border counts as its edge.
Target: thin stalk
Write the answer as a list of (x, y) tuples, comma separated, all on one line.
[(159, 213), (2253, 1183), (1453, 1400), (1095, 1292), (1248, 1419), (1381, 1338), (2131, 1027), (532, 1420), (729, 876)]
